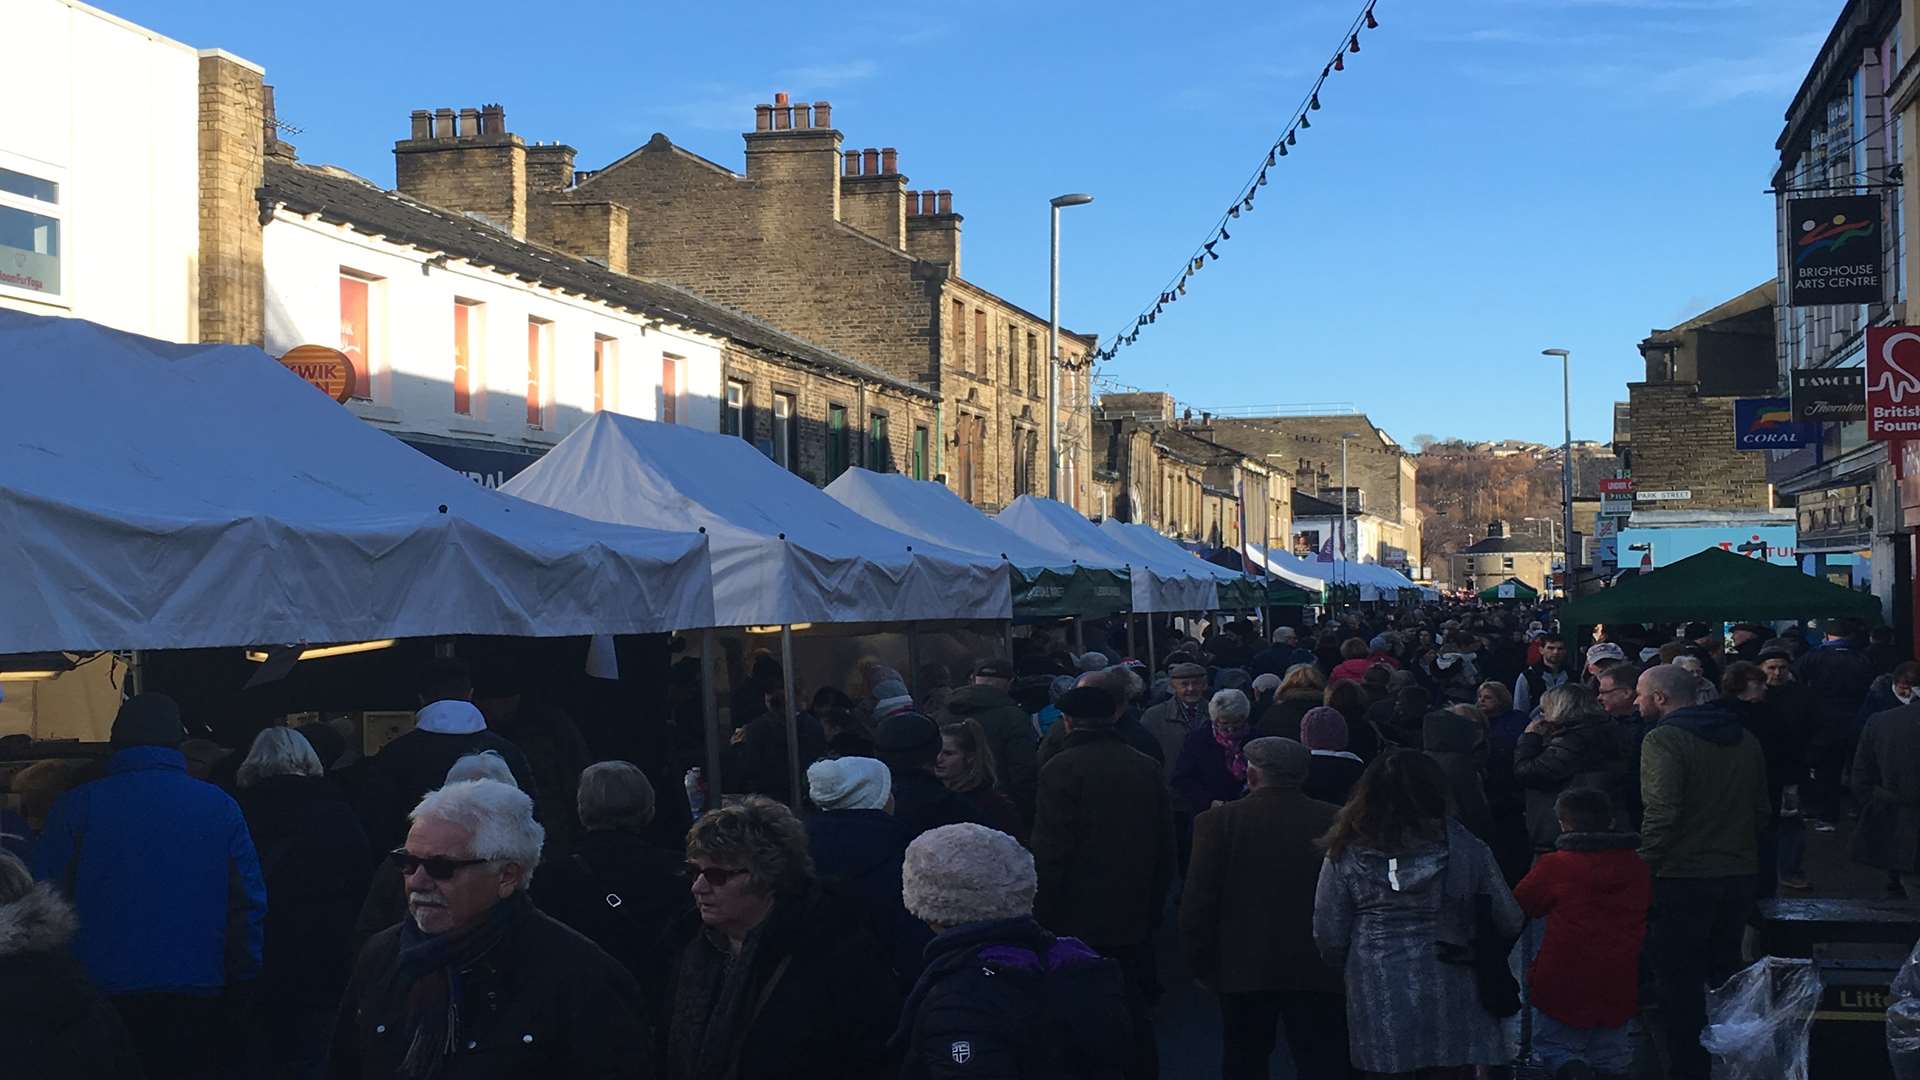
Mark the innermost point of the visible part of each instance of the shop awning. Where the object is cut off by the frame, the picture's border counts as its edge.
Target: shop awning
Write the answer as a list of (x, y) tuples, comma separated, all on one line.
[(1046, 583), (1060, 528), (783, 551), (1719, 586), (163, 496)]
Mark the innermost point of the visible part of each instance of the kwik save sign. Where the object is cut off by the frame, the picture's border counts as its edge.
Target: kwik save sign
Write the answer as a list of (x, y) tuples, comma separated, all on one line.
[(1893, 382)]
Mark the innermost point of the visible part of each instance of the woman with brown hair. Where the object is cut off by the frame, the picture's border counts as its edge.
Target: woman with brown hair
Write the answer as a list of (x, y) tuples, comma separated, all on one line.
[(1395, 911), (1303, 688), (966, 767)]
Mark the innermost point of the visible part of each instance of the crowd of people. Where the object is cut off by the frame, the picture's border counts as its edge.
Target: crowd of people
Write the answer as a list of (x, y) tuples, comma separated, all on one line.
[(1419, 843)]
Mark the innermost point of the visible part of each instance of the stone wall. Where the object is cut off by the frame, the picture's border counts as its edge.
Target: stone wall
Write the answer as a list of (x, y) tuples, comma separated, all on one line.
[(1683, 441), (814, 393), (233, 131)]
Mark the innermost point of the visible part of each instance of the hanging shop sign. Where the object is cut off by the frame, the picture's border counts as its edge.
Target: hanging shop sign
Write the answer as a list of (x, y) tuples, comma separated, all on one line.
[(1833, 251), (327, 369), (1616, 495), (1768, 424), (1829, 395), (1893, 382)]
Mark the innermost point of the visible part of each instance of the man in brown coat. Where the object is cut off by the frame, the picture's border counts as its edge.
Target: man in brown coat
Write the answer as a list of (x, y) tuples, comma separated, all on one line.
[(1247, 919)]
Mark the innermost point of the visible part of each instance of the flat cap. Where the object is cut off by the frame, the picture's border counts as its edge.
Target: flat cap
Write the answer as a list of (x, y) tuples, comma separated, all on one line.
[(1186, 671)]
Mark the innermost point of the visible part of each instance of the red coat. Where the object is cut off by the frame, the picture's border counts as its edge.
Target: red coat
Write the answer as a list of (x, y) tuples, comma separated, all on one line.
[(1357, 669), (1596, 890)]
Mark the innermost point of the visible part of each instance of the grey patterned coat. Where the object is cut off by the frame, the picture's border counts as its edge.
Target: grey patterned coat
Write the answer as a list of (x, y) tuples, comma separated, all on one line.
[(1380, 920)]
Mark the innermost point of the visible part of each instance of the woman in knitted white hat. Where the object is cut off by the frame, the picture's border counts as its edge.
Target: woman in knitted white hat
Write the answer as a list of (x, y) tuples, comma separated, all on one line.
[(1001, 995)]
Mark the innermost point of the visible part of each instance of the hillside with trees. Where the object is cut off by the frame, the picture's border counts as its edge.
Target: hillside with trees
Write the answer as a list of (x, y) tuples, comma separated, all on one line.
[(1463, 487)]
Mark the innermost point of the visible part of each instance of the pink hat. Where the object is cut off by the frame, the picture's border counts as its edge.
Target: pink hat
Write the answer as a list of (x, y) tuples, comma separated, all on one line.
[(1323, 728)]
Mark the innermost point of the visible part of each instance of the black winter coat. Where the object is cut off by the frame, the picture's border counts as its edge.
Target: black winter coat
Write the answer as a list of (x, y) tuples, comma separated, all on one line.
[(1102, 841), (1454, 741), (857, 856), (316, 862), (416, 763), (1591, 754), (1006, 1000), (1330, 777), (1283, 717), (820, 997), (544, 1001), (760, 760), (642, 929), (922, 802), (1010, 732), (1838, 676), (53, 1022)]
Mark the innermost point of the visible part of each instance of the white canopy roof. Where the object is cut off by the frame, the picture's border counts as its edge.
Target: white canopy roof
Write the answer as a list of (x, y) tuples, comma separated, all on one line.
[(1056, 525), (783, 551), (1373, 579), (162, 496), (1156, 545), (932, 512), (1283, 566)]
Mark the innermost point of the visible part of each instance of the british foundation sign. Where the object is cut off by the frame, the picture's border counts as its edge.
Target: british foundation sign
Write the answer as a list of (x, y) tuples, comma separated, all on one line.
[(327, 369), (1893, 382)]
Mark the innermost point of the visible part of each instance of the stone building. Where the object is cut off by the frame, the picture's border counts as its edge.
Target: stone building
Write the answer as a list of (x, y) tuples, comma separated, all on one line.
[(127, 176), (1501, 555), (1683, 411), (828, 245), (1161, 470), (1382, 477)]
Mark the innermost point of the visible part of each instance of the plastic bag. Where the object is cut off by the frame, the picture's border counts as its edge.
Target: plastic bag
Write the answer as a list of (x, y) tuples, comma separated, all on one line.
[(1758, 1022), (1903, 1019)]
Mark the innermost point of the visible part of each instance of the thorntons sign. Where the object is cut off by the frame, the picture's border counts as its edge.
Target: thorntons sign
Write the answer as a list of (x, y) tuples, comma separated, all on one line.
[(1833, 251), (1829, 395)]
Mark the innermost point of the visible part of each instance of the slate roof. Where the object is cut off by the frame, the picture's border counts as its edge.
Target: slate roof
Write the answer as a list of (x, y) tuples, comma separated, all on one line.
[(337, 196), (1509, 545), (1310, 507)]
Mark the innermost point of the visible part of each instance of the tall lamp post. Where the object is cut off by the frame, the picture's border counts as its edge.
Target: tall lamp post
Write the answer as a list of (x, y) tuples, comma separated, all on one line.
[(1053, 343), (1340, 567), (1566, 464)]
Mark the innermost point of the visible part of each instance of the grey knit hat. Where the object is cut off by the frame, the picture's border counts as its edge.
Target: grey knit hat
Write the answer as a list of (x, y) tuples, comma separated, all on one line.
[(967, 873)]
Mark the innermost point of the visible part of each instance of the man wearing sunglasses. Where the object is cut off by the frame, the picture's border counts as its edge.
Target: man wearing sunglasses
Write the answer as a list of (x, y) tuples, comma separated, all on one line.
[(475, 982)]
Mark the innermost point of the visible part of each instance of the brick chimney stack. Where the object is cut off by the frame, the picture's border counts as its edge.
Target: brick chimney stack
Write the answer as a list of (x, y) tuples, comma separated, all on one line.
[(873, 195), (933, 229), (792, 149), (471, 164)]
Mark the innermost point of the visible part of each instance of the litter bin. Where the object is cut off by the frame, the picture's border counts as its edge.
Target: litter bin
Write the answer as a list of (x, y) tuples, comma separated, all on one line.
[(1857, 947)]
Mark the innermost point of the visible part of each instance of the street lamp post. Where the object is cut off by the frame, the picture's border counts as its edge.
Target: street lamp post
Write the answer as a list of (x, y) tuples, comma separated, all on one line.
[(1340, 568), (1053, 343), (1566, 464)]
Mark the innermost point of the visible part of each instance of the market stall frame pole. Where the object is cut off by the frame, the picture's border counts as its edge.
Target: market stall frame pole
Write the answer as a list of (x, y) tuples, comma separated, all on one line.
[(913, 658), (710, 711), (793, 716), (1151, 666)]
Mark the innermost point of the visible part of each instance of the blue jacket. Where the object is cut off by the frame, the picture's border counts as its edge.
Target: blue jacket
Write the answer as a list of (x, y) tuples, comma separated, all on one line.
[(162, 871)]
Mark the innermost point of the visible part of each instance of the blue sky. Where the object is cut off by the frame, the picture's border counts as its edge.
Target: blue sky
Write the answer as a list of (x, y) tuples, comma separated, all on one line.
[(1486, 179)]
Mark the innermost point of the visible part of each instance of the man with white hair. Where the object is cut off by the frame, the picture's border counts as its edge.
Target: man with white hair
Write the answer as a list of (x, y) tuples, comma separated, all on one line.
[(475, 971), (1703, 778)]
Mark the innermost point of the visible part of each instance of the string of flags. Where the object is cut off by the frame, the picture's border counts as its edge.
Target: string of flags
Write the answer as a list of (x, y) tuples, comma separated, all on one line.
[(1208, 251)]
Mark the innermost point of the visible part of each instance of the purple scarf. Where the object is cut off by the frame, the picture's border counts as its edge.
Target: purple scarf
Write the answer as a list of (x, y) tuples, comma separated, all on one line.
[(1235, 746)]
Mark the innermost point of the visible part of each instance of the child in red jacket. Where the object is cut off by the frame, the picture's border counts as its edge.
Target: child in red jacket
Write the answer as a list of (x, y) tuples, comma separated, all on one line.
[(1585, 982)]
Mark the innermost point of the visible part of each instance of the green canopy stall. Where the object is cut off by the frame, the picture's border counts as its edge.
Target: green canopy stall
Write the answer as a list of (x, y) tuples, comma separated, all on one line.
[(1719, 586), (1510, 589)]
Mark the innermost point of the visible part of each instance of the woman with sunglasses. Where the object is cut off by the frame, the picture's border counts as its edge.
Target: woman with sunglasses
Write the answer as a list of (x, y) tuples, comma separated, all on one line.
[(782, 979), (476, 982)]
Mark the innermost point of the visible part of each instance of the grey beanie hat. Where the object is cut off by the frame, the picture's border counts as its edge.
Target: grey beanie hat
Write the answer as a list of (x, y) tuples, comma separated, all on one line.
[(967, 873)]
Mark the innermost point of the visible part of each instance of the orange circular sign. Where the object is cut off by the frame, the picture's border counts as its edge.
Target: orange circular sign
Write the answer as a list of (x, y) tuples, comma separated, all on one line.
[(327, 369)]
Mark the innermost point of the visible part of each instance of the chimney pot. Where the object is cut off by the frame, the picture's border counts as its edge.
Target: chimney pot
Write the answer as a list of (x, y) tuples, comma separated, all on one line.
[(469, 124), (852, 164), (422, 124), (871, 158), (782, 115), (889, 160), (443, 127), (913, 204), (493, 119), (780, 99), (802, 116), (762, 117), (822, 114), (946, 201)]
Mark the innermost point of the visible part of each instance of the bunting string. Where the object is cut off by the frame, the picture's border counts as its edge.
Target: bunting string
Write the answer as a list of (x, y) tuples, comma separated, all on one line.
[(1208, 251)]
